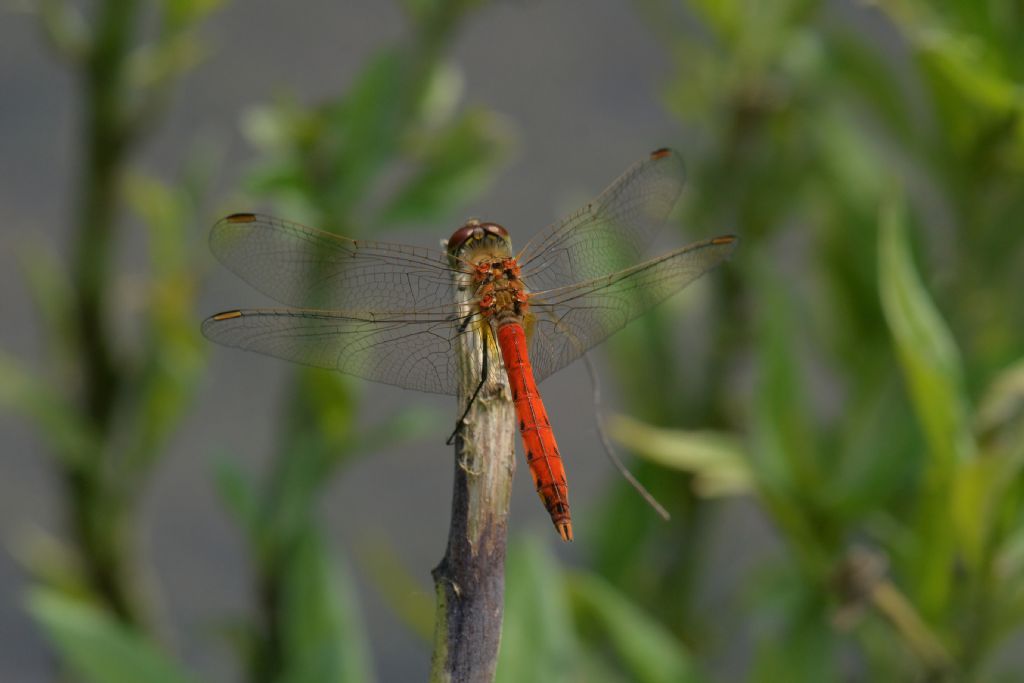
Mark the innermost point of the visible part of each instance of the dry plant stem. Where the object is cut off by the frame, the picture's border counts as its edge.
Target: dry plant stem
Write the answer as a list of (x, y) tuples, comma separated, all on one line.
[(470, 580)]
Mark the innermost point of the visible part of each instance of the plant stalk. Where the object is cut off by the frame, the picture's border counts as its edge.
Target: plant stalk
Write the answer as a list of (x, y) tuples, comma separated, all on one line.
[(470, 580), (96, 510)]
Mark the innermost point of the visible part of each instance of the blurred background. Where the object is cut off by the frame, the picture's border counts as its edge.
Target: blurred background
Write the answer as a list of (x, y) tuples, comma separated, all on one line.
[(834, 418)]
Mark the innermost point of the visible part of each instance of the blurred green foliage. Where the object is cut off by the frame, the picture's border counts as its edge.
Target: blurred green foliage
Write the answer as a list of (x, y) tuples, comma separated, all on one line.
[(873, 163), (108, 402), (861, 377)]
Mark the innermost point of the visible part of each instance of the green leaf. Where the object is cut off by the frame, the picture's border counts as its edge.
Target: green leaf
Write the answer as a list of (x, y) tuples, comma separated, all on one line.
[(65, 27), (785, 423), (363, 130), (877, 450), (328, 158), (716, 459), (1010, 560), (50, 561), (53, 296), (236, 492), (798, 646), (68, 433), (867, 76), (323, 635), (931, 369), (648, 652), (983, 484), (441, 97), (280, 130), (273, 127), (723, 17), (927, 352), (537, 641), (173, 352), (455, 165), (784, 440), (180, 14), (152, 65), (1001, 411), (98, 649), (326, 407), (415, 422), (849, 155), (978, 491), (968, 62), (407, 598)]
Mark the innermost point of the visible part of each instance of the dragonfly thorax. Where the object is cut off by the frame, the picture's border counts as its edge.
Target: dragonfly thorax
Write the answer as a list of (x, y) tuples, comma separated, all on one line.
[(500, 293), (484, 252)]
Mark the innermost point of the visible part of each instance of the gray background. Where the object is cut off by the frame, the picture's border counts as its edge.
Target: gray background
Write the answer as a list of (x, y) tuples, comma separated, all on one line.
[(581, 90)]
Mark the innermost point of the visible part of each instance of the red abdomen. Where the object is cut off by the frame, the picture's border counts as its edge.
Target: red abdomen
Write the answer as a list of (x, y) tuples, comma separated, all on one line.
[(539, 441)]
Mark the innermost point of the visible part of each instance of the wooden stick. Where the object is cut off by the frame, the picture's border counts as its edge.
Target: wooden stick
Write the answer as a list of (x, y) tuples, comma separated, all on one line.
[(470, 580)]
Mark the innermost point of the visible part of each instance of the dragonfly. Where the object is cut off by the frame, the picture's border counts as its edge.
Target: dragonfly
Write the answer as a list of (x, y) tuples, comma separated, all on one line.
[(394, 313)]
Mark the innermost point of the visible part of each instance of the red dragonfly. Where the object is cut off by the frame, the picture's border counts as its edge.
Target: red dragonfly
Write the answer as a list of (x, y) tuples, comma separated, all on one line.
[(391, 313)]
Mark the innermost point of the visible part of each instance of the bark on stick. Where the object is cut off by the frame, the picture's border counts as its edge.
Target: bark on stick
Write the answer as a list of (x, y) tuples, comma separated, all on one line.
[(470, 580)]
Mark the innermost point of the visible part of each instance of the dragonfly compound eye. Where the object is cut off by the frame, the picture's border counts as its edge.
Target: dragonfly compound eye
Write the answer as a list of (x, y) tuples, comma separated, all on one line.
[(475, 233)]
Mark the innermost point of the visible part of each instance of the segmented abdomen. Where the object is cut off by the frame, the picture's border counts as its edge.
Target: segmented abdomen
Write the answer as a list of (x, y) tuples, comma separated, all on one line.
[(539, 441)]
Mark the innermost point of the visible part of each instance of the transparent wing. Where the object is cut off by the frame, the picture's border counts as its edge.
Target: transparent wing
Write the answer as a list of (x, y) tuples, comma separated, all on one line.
[(300, 266), (611, 233), (415, 352), (566, 322)]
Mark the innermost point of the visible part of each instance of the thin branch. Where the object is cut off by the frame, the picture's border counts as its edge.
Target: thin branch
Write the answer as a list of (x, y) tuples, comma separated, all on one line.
[(470, 580), (609, 449)]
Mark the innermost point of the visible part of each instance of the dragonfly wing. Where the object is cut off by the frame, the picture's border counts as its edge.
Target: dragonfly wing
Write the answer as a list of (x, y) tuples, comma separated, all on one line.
[(568, 321), (611, 233), (415, 353), (300, 266)]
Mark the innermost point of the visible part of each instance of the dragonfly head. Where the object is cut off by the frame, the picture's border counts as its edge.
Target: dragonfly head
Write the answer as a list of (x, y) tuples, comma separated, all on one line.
[(479, 237)]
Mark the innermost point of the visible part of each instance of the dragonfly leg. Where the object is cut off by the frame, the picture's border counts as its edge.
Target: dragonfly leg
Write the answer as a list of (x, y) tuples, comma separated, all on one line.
[(460, 425)]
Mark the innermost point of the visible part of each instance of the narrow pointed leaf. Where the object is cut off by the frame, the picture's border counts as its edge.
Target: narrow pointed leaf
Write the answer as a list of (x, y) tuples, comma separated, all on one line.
[(927, 352), (97, 648), (716, 460), (323, 636), (648, 652), (932, 372), (537, 641)]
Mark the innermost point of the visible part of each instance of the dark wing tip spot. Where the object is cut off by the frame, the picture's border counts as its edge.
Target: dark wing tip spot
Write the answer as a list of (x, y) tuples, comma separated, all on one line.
[(660, 153), (241, 218)]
